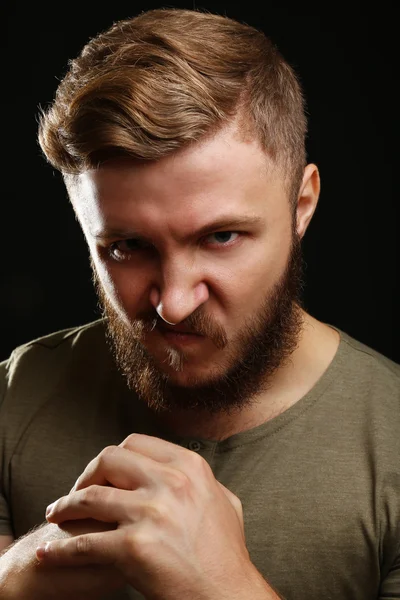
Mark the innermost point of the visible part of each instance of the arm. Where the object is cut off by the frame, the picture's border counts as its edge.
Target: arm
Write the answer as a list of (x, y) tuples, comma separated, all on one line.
[(21, 575), (23, 578), (5, 542)]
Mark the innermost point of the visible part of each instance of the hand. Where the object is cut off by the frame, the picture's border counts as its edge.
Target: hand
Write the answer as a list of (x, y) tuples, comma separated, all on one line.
[(22, 577), (89, 582), (179, 531)]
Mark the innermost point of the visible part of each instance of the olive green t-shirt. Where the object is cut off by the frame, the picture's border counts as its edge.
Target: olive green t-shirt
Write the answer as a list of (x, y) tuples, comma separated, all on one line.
[(319, 484)]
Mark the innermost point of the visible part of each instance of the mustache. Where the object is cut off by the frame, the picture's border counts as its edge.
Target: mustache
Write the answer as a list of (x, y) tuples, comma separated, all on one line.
[(197, 322), (146, 321)]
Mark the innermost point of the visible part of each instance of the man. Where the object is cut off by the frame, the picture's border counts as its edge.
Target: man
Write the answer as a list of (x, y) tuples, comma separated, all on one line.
[(220, 442)]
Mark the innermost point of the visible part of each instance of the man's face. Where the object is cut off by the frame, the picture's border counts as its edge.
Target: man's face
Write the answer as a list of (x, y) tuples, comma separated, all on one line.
[(207, 237)]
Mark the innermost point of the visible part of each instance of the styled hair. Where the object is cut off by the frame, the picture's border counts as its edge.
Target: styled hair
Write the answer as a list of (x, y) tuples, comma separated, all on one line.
[(167, 78)]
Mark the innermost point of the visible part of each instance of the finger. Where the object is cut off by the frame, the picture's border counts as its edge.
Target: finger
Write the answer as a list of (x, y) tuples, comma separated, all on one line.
[(167, 453), (154, 447), (119, 467), (149, 447), (87, 549), (123, 467), (106, 504)]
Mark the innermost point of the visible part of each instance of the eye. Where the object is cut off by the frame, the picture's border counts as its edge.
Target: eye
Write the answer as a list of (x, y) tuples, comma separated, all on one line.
[(222, 238), (124, 249)]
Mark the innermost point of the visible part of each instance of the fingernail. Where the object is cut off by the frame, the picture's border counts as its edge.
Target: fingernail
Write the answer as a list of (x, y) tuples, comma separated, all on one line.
[(43, 550), (49, 509)]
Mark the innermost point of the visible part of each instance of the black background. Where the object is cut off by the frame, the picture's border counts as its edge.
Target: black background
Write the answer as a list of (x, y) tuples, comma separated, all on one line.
[(345, 55)]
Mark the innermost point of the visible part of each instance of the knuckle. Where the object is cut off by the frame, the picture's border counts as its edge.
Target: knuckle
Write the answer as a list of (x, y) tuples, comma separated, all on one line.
[(199, 466), (156, 513), (237, 503), (197, 461), (131, 441), (178, 481), (90, 495), (138, 544), (76, 484), (82, 546), (106, 453)]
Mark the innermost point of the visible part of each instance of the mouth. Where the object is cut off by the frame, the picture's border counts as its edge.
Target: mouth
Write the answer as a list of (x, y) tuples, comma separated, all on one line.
[(179, 334), (176, 329)]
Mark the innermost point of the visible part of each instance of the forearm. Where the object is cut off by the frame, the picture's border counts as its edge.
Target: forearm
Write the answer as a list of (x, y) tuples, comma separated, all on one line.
[(22, 577), (248, 584), (262, 590)]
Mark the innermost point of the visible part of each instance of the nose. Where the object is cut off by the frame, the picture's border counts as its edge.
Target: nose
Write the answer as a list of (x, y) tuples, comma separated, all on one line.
[(180, 292)]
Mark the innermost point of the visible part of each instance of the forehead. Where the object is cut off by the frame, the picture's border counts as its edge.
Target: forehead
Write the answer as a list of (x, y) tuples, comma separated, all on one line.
[(206, 180)]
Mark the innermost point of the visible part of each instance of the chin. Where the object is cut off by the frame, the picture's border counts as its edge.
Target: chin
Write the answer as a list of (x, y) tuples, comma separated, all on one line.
[(189, 382), (192, 373), (190, 360)]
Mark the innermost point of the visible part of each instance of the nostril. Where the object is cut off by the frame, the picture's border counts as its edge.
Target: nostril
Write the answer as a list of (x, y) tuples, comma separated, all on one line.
[(201, 293), (159, 309), (155, 297)]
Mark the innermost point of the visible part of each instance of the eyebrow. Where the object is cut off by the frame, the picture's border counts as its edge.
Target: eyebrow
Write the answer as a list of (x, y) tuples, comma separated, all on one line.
[(222, 223)]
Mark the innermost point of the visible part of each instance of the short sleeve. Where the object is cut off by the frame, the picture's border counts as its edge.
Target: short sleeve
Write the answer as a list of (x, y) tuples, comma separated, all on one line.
[(390, 587), (5, 518)]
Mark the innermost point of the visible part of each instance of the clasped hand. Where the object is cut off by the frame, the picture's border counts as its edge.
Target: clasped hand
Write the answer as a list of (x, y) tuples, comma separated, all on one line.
[(178, 532)]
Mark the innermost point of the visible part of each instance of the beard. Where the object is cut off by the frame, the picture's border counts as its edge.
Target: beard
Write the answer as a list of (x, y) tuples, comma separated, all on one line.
[(264, 343)]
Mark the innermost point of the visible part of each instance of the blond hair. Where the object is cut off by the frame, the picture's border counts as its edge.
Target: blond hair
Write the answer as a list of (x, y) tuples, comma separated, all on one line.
[(167, 78)]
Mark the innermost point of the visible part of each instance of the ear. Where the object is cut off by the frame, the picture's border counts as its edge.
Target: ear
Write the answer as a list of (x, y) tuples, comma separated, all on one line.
[(308, 198)]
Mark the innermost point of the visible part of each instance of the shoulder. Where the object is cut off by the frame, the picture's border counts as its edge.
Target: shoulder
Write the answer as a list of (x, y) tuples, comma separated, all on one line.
[(72, 338), (39, 363), (367, 363), (367, 382), (64, 337)]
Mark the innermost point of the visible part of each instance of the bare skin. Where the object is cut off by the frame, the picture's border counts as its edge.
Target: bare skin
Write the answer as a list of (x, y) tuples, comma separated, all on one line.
[(164, 505), (165, 203), (22, 577)]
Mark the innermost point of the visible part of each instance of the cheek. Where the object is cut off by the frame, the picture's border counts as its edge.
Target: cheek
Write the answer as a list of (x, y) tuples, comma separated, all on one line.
[(262, 268), (256, 274), (127, 289)]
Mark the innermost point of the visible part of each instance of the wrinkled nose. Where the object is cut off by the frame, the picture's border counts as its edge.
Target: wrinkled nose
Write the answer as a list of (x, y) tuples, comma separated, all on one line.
[(180, 294)]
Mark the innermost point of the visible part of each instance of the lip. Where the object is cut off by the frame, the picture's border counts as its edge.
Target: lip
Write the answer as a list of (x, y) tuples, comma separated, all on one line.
[(180, 337), (177, 329)]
